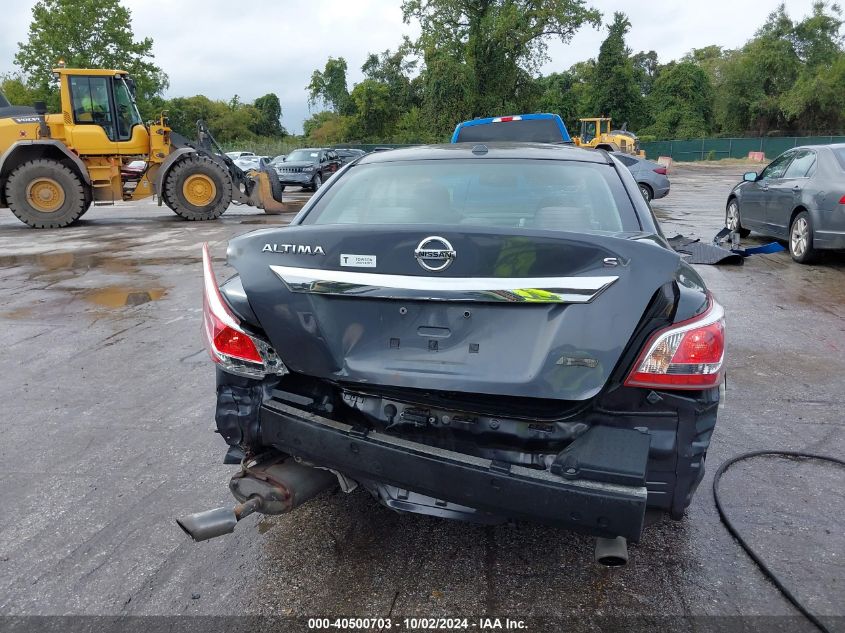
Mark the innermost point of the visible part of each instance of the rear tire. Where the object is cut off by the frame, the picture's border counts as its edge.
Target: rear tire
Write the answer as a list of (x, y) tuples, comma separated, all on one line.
[(801, 239), (45, 194), (733, 220), (648, 194), (197, 188)]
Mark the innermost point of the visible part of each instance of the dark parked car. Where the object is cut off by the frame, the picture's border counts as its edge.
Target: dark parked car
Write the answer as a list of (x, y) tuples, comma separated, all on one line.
[(472, 332), (799, 197), (309, 167), (651, 177), (348, 155)]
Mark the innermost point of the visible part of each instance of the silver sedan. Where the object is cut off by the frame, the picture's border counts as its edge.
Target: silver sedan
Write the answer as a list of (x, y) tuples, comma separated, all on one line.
[(651, 177), (799, 197)]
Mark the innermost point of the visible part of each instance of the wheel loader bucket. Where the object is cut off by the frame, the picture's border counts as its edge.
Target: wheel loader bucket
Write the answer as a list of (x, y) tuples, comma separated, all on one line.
[(267, 191)]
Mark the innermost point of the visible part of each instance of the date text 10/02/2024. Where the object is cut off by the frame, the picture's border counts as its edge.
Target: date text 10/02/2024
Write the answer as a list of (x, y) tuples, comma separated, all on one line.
[(481, 624)]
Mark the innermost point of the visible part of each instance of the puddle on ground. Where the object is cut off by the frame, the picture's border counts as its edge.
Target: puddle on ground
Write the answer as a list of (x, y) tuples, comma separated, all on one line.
[(18, 313), (121, 296), (113, 297), (61, 261)]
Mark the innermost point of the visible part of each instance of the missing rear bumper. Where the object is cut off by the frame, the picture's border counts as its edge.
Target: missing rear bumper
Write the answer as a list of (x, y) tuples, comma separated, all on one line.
[(516, 492)]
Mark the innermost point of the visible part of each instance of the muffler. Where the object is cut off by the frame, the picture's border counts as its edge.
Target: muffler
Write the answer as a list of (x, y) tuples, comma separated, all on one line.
[(273, 486), (612, 552)]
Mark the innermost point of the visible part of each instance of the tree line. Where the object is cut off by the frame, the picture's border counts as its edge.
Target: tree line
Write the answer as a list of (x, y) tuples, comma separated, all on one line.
[(477, 59), (482, 58)]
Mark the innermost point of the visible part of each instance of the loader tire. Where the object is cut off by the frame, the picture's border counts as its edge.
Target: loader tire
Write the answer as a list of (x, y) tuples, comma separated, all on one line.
[(45, 194), (197, 188), (88, 202)]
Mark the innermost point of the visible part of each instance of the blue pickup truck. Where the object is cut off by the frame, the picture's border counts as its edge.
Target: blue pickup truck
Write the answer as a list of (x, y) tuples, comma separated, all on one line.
[(530, 128)]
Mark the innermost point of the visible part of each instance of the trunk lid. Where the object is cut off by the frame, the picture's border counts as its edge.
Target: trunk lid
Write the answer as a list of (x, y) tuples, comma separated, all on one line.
[(530, 313)]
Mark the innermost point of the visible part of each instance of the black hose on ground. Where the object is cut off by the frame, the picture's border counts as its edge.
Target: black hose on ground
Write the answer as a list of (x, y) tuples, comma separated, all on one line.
[(748, 549)]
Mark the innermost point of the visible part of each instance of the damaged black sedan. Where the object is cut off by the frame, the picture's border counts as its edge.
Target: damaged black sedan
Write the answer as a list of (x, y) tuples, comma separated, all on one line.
[(479, 332)]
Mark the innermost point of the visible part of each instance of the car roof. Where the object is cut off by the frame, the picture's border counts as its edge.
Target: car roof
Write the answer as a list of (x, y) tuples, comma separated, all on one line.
[(448, 151), (816, 147), (524, 117)]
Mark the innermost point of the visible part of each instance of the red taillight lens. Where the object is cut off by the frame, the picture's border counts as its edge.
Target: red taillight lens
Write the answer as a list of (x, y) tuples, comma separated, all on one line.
[(842, 200), (687, 355), (223, 335), (223, 340), (660, 170)]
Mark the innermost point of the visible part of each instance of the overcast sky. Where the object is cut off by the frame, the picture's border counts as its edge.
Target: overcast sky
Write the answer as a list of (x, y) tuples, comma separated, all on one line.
[(220, 48)]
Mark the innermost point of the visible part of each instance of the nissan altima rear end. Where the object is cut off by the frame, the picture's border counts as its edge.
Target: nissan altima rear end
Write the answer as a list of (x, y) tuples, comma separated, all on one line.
[(487, 333)]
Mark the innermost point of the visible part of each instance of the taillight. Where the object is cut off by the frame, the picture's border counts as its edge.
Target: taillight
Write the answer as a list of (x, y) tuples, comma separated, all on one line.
[(842, 200), (686, 355), (660, 170), (506, 119), (227, 342)]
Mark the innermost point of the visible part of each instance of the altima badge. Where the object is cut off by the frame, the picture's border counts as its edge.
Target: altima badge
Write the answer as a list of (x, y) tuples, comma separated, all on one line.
[(293, 249), (434, 253)]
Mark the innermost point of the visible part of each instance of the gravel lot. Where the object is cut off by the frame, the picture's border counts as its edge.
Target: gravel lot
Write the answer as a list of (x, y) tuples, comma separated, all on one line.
[(107, 434)]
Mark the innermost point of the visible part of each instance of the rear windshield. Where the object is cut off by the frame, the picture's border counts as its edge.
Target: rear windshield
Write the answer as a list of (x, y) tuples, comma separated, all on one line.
[(839, 152), (540, 194), (530, 131)]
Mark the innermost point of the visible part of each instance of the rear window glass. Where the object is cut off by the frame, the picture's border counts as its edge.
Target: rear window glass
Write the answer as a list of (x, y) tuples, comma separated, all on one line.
[(539, 194), (839, 152), (530, 131)]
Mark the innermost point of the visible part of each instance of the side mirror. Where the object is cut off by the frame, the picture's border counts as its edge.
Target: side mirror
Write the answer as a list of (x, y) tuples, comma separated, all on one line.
[(750, 176)]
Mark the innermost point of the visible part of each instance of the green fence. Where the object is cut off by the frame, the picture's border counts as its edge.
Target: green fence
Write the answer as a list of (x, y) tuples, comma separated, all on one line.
[(718, 148)]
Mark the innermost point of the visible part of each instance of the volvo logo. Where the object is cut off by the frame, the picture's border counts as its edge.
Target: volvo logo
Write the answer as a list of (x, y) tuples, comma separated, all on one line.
[(434, 253)]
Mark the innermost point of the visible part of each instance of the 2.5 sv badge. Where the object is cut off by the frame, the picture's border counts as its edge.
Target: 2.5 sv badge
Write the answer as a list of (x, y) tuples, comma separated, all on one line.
[(434, 253), (293, 249)]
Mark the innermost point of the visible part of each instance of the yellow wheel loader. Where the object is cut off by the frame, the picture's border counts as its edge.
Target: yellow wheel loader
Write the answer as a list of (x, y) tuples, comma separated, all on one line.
[(596, 132), (53, 167)]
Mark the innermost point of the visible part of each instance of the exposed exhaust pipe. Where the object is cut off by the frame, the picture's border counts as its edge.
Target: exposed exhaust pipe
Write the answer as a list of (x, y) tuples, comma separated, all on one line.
[(202, 526), (273, 486), (612, 552)]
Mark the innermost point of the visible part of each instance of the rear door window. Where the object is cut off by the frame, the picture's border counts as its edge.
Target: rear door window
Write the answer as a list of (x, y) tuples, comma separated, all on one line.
[(541, 194), (839, 152), (626, 160), (801, 165)]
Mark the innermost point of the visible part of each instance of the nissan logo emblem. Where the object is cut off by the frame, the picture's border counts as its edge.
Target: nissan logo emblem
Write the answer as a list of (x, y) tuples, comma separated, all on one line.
[(434, 253)]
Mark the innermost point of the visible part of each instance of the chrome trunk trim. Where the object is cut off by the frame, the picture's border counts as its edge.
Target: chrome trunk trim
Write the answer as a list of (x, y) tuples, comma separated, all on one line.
[(481, 289)]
